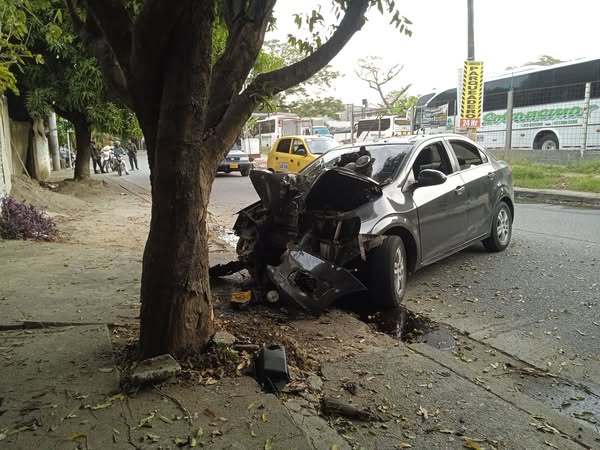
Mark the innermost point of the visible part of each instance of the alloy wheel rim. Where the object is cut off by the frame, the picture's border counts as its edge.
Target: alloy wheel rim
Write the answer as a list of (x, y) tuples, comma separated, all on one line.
[(550, 145), (398, 272), (503, 226)]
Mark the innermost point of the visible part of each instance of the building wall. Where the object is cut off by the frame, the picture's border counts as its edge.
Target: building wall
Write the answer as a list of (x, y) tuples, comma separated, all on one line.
[(5, 148)]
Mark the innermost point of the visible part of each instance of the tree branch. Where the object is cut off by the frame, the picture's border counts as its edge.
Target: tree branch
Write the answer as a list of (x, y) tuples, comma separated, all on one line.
[(247, 29), (271, 83), (114, 21), (75, 17)]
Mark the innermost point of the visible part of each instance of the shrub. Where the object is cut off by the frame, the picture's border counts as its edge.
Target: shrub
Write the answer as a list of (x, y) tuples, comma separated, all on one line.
[(20, 221)]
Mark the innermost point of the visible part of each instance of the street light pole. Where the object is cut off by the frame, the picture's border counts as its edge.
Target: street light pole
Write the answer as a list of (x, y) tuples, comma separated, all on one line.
[(470, 32), (471, 132)]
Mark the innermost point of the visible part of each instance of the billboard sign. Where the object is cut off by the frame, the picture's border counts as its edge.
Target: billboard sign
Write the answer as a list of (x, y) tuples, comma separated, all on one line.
[(471, 102)]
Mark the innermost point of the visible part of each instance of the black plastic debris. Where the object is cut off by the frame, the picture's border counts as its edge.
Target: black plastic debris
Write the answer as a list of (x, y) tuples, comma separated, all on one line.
[(271, 368)]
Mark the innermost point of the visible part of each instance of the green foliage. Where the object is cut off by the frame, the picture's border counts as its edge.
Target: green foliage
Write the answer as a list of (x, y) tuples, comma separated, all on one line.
[(320, 107), (400, 104), (576, 177), (315, 24), (69, 80)]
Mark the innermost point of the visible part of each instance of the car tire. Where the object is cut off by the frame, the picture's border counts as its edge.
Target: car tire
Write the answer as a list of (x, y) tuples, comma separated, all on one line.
[(501, 229), (388, 273), (245, 172)]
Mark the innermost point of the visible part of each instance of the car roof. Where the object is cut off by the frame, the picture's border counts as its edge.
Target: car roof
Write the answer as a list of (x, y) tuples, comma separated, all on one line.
[(410, 139), (309, 136)]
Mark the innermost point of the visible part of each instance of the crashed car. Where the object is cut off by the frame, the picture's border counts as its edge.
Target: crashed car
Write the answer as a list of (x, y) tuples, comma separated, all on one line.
[(361, 217)]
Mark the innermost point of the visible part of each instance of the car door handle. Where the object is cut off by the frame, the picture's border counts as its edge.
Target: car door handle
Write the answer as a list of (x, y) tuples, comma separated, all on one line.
[(460, 190), (491, 175)]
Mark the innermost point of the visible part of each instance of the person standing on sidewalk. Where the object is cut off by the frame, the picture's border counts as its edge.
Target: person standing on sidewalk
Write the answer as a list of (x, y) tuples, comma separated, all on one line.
[(95, 157), (132, 153)]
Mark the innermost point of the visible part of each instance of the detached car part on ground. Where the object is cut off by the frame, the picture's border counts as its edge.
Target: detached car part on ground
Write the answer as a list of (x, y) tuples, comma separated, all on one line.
[(360, 218)]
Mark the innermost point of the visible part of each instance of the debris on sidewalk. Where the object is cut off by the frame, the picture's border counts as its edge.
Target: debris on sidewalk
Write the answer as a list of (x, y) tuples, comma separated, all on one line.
[(334, 407), (223, 338), (154, 370), (271, 368)]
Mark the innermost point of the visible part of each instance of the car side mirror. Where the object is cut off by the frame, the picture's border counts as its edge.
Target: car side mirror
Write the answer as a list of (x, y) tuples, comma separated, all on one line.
[(301, 151), (430, 177)]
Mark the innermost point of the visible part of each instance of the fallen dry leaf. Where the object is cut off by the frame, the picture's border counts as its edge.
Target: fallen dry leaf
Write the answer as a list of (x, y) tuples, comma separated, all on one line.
[(423, 413), (470, 444), (269, 444), (403, 445), (75, 436)]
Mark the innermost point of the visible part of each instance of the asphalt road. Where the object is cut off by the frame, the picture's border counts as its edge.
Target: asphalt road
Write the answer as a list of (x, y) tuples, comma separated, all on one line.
[(539, 300)]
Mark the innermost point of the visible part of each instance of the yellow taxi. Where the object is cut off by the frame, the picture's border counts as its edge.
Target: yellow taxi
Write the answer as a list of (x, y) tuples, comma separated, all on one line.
[(293, 153)]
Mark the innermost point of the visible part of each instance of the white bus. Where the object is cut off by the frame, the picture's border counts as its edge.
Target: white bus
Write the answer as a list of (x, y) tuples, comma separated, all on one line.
[(382, 127), (271, 128), (548, 108)]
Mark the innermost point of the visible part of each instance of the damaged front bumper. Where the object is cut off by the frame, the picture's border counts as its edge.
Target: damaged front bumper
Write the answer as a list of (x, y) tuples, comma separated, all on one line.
[(311, 282)]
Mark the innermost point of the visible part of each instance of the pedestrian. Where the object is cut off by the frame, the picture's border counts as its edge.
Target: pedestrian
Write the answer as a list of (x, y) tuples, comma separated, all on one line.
[(95, 153), (119, 152), (132, 153), (63, 156)]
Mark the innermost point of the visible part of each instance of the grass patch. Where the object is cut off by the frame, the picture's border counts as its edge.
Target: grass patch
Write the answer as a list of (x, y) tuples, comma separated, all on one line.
[(583, 176)]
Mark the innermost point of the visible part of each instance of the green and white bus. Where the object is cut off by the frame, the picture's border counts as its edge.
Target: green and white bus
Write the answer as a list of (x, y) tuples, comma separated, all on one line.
[(548, 108)]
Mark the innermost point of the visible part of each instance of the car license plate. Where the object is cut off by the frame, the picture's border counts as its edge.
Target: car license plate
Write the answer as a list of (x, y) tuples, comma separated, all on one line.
[(234, 166)]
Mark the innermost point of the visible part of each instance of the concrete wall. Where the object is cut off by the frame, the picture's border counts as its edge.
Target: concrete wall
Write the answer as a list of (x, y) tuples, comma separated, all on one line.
[(40, 151), (5, 148), (20, 134), (562, 157)]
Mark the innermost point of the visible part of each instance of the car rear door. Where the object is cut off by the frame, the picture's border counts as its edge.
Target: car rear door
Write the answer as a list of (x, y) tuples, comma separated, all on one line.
[(282, 155), (480, 178), (441, 209)]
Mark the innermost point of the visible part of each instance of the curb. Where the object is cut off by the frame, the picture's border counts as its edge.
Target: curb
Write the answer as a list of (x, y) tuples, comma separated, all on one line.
[(555, 196)]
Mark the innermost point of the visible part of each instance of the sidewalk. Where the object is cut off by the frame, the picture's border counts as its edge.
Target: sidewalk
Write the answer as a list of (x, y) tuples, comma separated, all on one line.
[(64, 305), (558, 196)]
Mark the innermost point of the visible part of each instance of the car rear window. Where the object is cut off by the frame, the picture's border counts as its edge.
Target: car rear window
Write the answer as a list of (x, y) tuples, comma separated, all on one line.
[(320, 146)]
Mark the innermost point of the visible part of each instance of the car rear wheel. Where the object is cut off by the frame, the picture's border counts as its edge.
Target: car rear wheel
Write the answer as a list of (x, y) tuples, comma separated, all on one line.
[(245, 172), (388, 273), (501, 229)]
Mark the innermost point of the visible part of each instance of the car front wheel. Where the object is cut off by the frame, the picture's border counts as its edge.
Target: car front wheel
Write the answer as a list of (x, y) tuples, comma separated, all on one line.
[(501, 229), (388, 273)]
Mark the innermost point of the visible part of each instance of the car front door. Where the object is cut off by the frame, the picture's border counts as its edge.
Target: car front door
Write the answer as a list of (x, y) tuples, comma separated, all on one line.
[(299, 159), (441, 209), (479, 177), (282, 155)]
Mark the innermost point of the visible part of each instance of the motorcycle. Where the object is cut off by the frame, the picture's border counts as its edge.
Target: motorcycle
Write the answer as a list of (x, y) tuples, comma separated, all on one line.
[(120, 165), (106, 161)]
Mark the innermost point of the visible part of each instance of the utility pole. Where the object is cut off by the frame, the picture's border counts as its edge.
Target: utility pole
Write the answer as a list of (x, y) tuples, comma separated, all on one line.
[(470, 32), (53, 141), (471, 132)]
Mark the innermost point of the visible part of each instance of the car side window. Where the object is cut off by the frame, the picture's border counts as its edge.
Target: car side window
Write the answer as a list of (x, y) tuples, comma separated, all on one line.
[(434, 157), (283, 146), (468, 155), (298, 144)]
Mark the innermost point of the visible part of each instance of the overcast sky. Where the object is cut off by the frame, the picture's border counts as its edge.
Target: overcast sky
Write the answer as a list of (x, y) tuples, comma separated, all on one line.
[(507, 32)]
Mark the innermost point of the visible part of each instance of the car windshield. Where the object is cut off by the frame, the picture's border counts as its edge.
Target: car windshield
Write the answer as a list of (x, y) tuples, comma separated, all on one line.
[(320, 146), (385, 161)]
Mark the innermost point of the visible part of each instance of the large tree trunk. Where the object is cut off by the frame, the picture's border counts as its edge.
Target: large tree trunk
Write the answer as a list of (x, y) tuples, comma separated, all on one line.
[(176, 315), (83, 136)]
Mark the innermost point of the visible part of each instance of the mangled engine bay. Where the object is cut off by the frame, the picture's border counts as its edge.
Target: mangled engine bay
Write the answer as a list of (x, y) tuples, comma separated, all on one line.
[(303, 237)]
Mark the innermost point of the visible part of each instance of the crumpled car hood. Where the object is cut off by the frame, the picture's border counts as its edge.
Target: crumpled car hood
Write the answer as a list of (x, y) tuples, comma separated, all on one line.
[(336, 189), (341, 190)]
